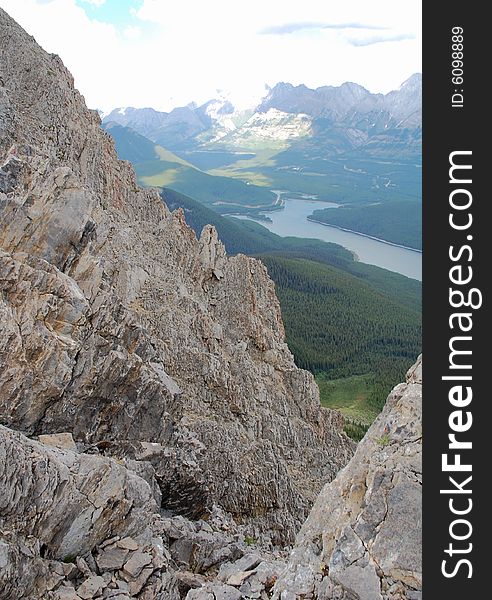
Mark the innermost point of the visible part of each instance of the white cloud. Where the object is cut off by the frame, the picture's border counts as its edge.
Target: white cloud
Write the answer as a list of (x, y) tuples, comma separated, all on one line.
[(221, 16), (132, 32), (95, 2), (171, 52)]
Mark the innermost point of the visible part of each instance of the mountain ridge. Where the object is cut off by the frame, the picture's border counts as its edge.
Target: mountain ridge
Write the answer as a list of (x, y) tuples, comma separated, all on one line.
[(344, 103)]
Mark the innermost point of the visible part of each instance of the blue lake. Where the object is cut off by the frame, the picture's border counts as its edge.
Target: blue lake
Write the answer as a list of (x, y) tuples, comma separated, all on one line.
[(292, 221)]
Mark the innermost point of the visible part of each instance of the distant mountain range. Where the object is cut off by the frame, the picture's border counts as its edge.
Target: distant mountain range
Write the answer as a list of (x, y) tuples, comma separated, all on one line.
[(401, 107), (341, 144), (342, 119)]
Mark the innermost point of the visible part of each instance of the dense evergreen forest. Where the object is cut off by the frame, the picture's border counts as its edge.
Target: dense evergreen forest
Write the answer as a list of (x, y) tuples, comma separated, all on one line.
[(339, 326), (355, 326)]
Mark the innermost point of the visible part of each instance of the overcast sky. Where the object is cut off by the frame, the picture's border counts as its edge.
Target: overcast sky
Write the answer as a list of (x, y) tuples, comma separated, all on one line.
[(166, 53)]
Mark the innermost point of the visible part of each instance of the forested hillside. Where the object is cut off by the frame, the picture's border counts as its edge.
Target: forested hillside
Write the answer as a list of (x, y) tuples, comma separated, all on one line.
[(338, 325), (397, 222), (158, 167)]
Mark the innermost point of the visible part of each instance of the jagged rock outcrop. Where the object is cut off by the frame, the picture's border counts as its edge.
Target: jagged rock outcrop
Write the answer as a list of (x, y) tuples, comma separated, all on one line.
[(362, 539), (120, 327), (56, 505), (75, 526), (68, 501)]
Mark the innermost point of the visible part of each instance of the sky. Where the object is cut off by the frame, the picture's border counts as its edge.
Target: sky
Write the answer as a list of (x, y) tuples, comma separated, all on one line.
[(167, 53)]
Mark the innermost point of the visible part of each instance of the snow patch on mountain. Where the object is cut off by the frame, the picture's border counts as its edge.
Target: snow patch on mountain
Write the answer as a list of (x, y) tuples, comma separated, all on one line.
[(272, 125)]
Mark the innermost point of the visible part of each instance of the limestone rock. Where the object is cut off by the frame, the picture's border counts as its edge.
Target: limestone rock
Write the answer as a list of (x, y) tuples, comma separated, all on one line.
[(246, 563), (236, 579), (136, 563), (63, 441), (82, 566), (351, 545), (127, 543), (91, 587), (214, 592), (66, 593), (262, 580), (188, 580), (69, 502), (112, 558)]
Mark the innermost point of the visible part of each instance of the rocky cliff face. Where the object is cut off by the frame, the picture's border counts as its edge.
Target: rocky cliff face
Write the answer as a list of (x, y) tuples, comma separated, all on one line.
[(362, 539), (120, 327), (75, 526)]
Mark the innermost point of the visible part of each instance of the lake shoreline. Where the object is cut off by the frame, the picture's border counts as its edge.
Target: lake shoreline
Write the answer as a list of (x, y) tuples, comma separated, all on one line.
[(294, 220), (366, 235)]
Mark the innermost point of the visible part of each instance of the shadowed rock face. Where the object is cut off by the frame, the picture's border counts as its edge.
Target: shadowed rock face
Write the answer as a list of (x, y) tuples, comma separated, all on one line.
[(119, 326), (77, 526), (362, 539)]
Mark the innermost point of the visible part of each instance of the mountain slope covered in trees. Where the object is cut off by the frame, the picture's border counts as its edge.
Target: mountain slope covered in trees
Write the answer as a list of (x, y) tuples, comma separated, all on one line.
[(399, 223)]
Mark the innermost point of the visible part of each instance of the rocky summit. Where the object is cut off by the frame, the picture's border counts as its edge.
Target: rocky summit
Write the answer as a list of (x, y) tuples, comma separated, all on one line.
[(157, 440)]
